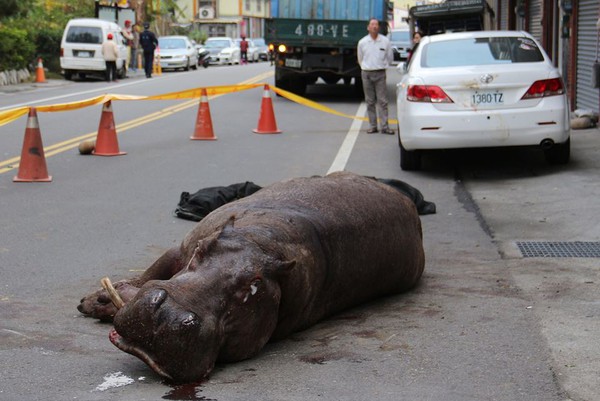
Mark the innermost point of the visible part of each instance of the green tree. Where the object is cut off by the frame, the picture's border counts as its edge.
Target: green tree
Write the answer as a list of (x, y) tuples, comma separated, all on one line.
[(14, 8), (34, 28)]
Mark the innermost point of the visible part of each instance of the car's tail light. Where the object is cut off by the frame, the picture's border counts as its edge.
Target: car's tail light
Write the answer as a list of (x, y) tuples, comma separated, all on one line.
[(62, 52), (427, 93), (545, 87)]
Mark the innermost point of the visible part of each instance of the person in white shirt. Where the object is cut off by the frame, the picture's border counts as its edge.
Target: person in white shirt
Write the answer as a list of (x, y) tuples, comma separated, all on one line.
[(110, 51), (374, 56)]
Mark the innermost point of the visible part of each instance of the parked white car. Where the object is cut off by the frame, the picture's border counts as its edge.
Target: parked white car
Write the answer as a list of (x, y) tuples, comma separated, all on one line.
[(177, 52), (263, 48), (401, 43), (481, 89), (81, 48), (223, 50), (253, 51)]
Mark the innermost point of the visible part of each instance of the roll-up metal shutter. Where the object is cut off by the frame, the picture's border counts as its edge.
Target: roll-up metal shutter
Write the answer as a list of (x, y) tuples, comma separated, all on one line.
[(503, 11), (535, 19), (586, 97)]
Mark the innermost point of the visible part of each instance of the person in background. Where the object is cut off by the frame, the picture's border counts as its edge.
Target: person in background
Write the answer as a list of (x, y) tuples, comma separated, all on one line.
[(374, 56), (128, 35), (110, 52), (148, 42), (244, 50), (416, 39), (135, 44)]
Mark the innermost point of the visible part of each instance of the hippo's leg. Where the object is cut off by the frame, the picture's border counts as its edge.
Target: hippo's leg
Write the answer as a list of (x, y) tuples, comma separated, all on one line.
[(99, 305)]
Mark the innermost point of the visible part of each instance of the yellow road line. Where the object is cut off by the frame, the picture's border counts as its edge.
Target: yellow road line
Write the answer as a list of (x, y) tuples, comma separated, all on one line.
[(13, 163)]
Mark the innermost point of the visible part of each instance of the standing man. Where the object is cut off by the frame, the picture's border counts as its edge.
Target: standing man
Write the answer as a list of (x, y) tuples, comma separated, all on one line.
[(110, 52), (128, 35), (148, 42), (135, 44), (374, 56), (244, 50)]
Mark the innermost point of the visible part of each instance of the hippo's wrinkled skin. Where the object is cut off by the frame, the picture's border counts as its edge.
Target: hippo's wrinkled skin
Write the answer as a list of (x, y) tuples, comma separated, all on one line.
[(263, 267)]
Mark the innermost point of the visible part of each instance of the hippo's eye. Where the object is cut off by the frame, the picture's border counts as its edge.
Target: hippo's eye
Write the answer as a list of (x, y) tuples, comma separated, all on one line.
[(190, 320), (253, 289)]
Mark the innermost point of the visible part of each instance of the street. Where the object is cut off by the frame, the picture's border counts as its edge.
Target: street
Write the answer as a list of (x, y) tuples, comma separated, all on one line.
[(485, 323)]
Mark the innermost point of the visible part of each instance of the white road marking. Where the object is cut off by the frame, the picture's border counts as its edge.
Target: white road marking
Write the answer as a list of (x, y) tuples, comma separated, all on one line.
[(341, 159)]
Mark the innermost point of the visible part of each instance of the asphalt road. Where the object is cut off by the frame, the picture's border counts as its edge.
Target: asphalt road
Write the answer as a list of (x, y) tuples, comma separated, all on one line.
[(484, 324)]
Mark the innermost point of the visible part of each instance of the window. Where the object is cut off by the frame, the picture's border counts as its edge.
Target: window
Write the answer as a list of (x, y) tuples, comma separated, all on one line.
[(84, 34), (480, 51)]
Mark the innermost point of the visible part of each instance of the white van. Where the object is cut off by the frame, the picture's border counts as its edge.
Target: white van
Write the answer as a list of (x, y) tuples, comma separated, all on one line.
[(81, 47)]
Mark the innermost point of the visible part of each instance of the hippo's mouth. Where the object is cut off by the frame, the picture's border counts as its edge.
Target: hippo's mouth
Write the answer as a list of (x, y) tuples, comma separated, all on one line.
[(123, 345)]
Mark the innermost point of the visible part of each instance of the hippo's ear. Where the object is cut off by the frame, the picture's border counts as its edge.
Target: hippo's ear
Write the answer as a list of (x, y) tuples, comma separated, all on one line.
[(280, 268), (205, 244)]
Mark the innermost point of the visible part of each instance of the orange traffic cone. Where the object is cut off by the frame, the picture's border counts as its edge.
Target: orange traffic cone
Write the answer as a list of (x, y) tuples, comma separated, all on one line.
[(106, 139), (266, 121), (40, 76), (32, 166), (204, 128)]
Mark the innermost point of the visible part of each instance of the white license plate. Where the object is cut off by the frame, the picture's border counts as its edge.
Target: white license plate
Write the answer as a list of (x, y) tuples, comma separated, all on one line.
[(84, 54), (292, 62), (485, 98)]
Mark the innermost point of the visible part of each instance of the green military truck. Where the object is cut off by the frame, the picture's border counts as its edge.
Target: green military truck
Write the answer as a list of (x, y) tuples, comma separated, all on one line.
[(317, 39)]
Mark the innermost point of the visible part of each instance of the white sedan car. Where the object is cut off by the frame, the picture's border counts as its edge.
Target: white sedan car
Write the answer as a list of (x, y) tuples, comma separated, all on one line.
[(177, 52), (223, 50), (481, 89)]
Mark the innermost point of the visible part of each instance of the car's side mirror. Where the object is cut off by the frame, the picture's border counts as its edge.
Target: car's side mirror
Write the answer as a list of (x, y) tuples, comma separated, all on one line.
[(402, 67)]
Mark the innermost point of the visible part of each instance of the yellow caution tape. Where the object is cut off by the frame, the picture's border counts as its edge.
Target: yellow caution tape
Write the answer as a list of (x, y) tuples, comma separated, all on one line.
[(8, 116), (309, 103)]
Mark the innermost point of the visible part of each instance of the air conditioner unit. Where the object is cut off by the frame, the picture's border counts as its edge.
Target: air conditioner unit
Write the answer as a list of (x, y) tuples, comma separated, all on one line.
[(206, 12)]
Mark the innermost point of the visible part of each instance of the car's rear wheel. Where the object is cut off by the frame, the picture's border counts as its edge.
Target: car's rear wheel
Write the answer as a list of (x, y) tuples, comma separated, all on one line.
[(68, 75), (559, 153), (409, 159)]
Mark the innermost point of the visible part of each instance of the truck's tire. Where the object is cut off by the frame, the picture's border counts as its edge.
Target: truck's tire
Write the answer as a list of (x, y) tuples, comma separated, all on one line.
[(68, 75), (358, 88), (296, 85)]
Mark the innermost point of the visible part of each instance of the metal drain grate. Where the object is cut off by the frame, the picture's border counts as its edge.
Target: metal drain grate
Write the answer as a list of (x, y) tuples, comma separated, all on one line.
[(577, 249)]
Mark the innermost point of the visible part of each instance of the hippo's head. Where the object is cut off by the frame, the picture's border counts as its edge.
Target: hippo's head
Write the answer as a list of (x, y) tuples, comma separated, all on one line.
[(222, 306)]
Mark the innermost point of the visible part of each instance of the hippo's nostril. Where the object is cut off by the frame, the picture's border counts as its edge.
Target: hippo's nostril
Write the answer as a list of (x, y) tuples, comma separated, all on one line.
[(158, 298)]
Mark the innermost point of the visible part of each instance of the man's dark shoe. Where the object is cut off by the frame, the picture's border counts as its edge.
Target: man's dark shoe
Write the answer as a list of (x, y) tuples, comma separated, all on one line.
[(388, 131), (372, 131)]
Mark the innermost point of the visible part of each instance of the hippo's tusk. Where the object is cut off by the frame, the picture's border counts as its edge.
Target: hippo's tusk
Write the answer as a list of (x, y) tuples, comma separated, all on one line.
[(112, 293)]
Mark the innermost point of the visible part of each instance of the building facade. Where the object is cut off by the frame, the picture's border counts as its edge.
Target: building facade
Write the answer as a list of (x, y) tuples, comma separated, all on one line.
[(227, 17)]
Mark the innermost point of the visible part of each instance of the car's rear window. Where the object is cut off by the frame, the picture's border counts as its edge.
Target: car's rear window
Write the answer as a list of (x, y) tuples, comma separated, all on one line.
[(400, 36), (84, 34), (171, 43), (217, 43), (480, 51)]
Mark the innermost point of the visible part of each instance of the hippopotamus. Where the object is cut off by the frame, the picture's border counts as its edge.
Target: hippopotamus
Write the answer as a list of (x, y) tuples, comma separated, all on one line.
[(262, 267)]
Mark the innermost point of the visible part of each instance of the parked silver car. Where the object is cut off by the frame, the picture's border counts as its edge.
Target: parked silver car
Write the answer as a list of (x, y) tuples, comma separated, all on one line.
[(177, 52), (223, 50), (263, 48), (401, 43)]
